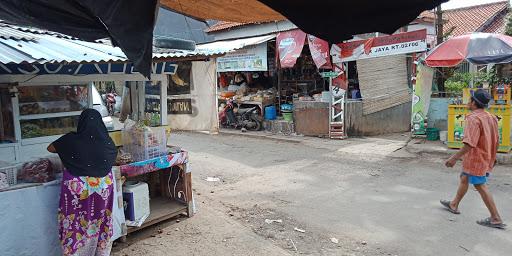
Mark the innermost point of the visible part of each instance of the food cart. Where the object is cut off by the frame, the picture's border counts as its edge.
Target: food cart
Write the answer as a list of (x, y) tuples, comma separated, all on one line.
[(477, 49), (500, 107)]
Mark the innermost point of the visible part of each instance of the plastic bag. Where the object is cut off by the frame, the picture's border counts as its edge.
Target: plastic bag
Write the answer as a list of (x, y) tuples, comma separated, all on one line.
[(39, 171)]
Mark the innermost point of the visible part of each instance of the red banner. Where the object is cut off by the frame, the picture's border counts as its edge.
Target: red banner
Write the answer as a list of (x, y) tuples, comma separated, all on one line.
[(340, 81), (320, 52), (289, 45)]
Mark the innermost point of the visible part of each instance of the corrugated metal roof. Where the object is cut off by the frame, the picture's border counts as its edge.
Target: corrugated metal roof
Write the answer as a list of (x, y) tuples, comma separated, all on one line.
[(11, 33), (13, 30), (163, 53), (27, 45), (252, 30), (166, 53), (222, 47), (211, 49)]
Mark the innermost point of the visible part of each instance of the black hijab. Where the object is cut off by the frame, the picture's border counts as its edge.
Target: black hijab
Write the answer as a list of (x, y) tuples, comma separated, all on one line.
[(89, 151)]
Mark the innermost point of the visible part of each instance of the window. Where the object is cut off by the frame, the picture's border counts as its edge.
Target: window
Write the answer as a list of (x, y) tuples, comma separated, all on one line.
[(179, 83)]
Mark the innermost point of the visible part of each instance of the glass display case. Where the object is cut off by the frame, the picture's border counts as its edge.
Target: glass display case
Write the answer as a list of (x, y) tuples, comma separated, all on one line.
[(48, 126), (35, 100), (50, 109)]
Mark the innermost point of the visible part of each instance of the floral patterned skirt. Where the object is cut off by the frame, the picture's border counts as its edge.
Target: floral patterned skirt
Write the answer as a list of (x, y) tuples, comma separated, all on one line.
[(85, 215)]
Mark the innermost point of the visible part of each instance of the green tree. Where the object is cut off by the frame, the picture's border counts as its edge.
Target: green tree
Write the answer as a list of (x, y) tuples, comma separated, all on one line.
[(508, 28), (458, 80)]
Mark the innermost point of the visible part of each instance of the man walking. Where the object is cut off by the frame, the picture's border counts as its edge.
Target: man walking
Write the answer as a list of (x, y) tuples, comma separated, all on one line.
[(481, 141)]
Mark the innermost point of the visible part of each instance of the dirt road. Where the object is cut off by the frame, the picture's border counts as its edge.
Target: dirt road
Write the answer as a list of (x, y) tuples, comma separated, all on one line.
[(319, 197)]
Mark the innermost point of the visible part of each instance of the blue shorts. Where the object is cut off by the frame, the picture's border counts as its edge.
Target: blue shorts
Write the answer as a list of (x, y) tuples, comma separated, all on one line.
[(476, 180)]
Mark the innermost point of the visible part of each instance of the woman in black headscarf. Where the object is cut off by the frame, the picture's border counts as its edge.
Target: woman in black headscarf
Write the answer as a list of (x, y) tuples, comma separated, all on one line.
[(86, 199)]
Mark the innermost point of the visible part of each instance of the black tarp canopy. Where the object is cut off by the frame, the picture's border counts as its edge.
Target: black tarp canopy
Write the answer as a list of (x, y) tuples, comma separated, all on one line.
[(129, 23)]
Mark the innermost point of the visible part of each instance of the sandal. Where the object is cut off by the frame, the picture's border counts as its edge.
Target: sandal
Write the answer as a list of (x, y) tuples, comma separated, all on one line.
[(487, 223), (447, 206)]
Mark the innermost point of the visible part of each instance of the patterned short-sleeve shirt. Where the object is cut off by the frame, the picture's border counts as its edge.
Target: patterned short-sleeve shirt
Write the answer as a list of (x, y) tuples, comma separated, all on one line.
[(481, 134)]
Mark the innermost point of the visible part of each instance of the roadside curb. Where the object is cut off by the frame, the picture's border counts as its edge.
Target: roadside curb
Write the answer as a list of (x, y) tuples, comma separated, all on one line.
[(424, 148), (258, 136), (504, 159)]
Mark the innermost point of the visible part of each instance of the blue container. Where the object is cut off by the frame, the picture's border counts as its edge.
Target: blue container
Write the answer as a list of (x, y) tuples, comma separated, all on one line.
[(270, 113)]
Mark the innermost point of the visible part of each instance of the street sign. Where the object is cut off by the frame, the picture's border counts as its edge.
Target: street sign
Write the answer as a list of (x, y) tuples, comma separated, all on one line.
[(330, 74)]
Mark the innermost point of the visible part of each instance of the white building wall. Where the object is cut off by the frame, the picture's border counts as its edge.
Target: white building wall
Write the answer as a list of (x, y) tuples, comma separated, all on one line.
[(203, 93)]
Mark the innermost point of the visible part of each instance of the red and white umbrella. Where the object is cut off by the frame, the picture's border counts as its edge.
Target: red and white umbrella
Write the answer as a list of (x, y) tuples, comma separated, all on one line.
[(476, 48)]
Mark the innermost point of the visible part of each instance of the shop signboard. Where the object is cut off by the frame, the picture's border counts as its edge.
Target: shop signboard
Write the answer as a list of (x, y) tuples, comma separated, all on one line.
[(180, 106), (319, 52), (166, 68), (401, 43), (289, 46), (249, 58), (330, 74)]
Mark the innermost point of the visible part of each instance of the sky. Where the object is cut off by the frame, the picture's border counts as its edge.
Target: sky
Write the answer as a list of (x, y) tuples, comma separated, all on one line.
[(463, 3)]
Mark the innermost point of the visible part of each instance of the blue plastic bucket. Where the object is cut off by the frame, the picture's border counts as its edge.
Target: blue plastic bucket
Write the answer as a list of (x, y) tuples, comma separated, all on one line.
[(270, 113)]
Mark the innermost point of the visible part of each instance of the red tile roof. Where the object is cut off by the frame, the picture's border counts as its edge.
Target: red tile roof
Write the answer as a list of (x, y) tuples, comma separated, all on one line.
[(430, 15), (488, 18), (475, 18), (498, 25)]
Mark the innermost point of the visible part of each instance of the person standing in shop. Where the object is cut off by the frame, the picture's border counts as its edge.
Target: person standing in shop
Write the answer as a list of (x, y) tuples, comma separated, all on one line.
[(241, 82), (481, 141)]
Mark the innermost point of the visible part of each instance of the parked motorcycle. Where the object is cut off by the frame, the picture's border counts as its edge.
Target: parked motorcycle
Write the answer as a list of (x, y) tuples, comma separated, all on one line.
[(240, 118)]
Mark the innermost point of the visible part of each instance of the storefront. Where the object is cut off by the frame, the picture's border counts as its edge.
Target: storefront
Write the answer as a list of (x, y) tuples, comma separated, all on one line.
[(41, 107), (380, 74), (41, 100), (42, 110), (246, 79), (273, 73), (302, 84)]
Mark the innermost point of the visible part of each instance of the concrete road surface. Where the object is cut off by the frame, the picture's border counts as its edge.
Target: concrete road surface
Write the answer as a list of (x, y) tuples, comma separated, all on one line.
[(321, 197)]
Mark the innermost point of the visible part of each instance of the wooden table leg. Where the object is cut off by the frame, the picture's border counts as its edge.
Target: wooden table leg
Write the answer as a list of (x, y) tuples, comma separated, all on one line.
[(188, 190)]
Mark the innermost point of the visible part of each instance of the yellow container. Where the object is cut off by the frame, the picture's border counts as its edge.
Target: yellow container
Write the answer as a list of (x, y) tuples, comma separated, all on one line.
[(456, 121), (506, 98), (503, 112), (117, 136)]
